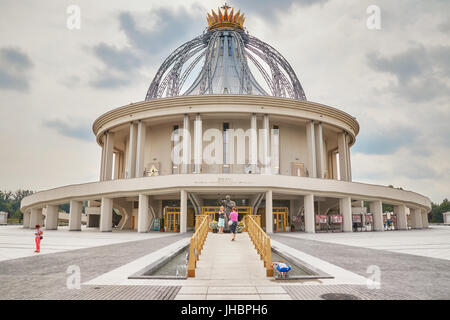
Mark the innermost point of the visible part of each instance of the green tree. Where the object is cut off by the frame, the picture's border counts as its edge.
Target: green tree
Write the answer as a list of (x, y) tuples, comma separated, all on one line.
[(445, 206), (435, 215), (5, 202), (64, 207), (10, 202)]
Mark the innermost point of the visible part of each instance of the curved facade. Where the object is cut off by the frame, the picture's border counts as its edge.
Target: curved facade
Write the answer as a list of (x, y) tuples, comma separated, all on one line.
[(166, 160)]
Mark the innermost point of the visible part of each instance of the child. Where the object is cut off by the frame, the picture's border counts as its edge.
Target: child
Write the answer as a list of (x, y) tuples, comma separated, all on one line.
[(38, 236), (221, 219), (282, 268)]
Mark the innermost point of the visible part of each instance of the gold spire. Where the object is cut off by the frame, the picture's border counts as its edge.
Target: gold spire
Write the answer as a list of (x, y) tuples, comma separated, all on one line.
[(222, 20)]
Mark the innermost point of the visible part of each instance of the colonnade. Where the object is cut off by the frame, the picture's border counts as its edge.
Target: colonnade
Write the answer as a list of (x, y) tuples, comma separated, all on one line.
[(316, 164), (418, 217)]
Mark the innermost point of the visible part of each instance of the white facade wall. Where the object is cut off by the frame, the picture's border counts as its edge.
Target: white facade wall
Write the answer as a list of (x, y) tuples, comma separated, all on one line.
[(158, 145), (292, 146)]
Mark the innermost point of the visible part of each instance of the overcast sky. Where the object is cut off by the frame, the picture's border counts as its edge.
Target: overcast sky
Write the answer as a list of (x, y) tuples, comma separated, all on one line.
[(54, 82)]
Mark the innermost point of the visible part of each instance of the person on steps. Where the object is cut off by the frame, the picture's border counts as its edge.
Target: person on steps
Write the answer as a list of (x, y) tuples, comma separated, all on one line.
[(221, 223), (233, 222)]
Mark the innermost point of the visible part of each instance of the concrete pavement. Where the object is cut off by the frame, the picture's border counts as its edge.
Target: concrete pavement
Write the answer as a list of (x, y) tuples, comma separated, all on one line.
[(17, 242), (433, 242)]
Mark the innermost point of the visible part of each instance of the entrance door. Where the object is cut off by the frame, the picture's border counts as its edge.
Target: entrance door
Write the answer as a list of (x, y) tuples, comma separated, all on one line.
[(172, 219), (278, 222), (280, 219), (213, 211)]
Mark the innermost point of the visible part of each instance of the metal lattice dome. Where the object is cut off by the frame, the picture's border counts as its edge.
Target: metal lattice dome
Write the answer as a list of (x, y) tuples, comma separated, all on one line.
[(221, 60)]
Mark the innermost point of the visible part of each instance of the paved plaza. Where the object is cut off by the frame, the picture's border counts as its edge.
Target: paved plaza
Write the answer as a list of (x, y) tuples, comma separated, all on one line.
[(17, 242), (226, 270), (433, 242)]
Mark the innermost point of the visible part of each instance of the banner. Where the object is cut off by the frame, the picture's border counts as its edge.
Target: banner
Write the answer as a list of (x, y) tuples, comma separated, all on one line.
[(336, 218)]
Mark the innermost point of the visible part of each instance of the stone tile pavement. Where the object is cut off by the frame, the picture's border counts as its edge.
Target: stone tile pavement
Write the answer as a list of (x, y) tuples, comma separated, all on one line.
[(341, 292), (433, 242), (115, 293), (238, 273), (17, 242), (41, 275), (409, 275)]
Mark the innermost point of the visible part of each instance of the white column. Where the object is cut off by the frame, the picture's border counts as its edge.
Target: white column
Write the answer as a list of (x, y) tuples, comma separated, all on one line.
[(345, 206), (51, 219), (140, 149), (416, 218), (102, 164), (186, 144), (143, 218), (269, 212), (75, 215), (265, 140), (320, 158), (400, 212), (115, 166), (253, 143), (424, 219), (35, 217), (334, 164), (275, 150), (343, 166), (26, 219), (311, 145), (198, 144), (308, 203), (183, 211), (376, 208), (106, 214), (109, 152), (132, 144), (349, 166)]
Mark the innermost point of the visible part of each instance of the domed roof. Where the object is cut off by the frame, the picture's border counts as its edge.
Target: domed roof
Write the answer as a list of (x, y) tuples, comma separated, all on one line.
[(221, 61)]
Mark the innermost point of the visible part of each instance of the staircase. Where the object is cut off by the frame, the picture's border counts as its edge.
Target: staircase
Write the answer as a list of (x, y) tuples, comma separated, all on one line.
[(223, 259)]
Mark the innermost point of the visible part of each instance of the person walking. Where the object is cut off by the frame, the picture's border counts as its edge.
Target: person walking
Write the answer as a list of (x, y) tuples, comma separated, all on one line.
[(38, 237), (221, 223), (233, 222)]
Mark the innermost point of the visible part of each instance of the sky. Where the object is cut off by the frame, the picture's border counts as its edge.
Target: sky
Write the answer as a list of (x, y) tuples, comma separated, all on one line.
[(55, 80)]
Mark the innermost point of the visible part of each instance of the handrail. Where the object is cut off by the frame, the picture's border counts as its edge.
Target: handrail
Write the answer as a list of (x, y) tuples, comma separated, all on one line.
[(256, 217), (261, 241), (198, 220), (196, 246)]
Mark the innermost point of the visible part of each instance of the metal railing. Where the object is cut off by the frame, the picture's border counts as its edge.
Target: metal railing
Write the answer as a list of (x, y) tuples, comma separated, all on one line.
[(261, 241), (196, 246)]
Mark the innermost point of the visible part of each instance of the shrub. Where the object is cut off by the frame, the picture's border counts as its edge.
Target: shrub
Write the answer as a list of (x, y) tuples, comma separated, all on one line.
[(213, 225), (240, 226)]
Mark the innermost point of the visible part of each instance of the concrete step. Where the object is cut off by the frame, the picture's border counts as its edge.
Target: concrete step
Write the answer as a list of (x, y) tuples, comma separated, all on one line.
[(223, 259)]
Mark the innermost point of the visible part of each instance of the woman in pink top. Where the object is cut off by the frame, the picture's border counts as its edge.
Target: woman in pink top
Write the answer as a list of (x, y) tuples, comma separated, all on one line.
[(233, 219)]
